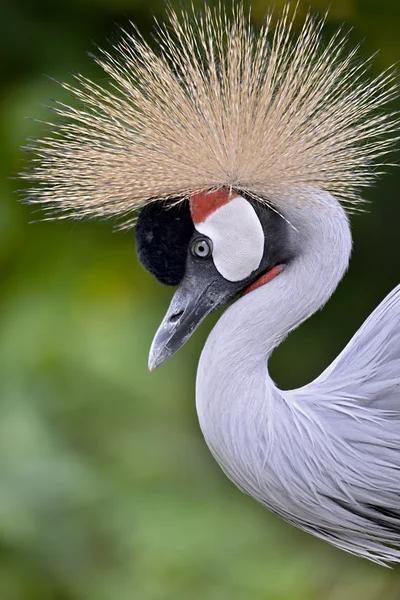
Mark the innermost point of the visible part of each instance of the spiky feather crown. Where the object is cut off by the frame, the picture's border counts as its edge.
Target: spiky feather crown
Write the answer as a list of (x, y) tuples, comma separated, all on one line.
[(218, 105)]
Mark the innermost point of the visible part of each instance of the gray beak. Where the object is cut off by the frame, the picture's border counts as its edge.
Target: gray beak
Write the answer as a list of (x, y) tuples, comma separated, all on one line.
[(196, 297), (189, 307)]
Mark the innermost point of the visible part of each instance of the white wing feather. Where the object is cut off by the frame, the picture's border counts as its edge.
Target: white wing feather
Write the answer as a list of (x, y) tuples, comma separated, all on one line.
[(368, 369), (351, 412)]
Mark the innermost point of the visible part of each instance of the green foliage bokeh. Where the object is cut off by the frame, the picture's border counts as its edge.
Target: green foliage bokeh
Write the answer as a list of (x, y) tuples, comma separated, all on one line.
[(107, 490)]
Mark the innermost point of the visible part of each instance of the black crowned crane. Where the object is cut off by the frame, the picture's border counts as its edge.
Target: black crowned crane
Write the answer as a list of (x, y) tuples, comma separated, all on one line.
[(241, 151)]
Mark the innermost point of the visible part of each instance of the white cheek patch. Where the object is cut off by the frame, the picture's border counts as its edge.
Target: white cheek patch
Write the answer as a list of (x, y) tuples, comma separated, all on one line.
[(237, 236)]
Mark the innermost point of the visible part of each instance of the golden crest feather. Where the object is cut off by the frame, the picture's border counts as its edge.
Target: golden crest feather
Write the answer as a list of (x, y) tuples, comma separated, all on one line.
[(269, 113)]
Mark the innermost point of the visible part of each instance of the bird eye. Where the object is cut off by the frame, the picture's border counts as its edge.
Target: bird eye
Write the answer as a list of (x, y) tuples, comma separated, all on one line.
[(201, 248)]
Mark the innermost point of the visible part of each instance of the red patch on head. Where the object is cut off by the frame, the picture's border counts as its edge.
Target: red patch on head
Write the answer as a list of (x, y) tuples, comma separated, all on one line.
[(205, 203)]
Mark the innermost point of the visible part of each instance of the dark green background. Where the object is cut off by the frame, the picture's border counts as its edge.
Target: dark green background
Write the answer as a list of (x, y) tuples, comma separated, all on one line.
[(107, 490)]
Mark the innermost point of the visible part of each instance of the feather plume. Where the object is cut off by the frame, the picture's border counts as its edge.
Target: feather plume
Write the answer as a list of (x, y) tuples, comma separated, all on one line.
[(269, 113)]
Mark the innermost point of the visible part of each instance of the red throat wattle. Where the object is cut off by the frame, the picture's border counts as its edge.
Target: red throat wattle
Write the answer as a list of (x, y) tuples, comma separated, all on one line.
[(263, 279)]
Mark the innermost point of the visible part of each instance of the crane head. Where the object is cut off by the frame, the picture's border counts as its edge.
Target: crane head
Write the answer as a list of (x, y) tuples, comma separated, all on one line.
[(248, 116), (215, 247)]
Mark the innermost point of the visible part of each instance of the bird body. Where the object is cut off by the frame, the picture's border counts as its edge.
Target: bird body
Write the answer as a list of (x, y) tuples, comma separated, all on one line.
[(241, 152), (331, 446)]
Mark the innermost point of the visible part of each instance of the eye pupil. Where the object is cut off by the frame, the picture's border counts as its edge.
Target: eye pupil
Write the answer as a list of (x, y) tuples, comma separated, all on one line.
[(201, 248)]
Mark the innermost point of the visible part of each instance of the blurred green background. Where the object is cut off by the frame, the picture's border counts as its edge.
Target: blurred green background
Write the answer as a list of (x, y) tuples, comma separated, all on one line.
[(107, 490)]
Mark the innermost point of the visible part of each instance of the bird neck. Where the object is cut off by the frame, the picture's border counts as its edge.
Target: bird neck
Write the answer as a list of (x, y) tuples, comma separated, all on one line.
[(232, 366), (256, 323)]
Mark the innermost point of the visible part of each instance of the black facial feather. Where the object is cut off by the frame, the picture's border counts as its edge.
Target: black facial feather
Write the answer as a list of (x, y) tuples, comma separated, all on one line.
[(277, 246), (163, 232)]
